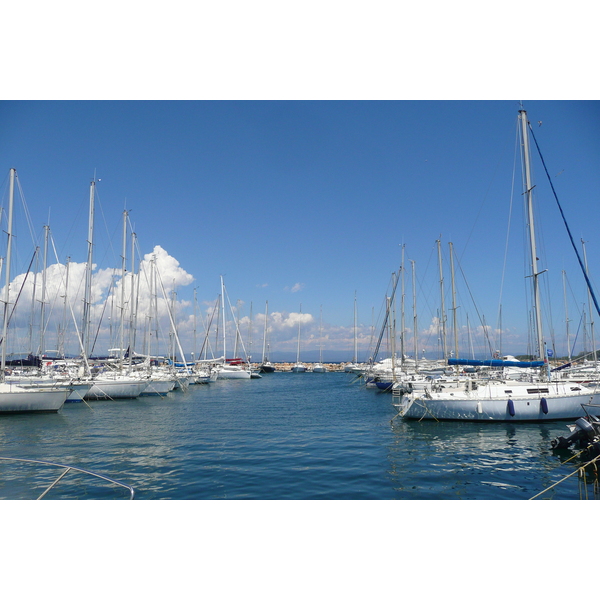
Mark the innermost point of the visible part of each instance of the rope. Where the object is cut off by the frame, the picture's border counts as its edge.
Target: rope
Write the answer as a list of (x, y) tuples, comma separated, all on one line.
[(580, 469)]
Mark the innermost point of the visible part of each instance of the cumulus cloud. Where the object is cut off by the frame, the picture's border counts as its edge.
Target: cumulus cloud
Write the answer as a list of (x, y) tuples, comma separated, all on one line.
[(58, 296)]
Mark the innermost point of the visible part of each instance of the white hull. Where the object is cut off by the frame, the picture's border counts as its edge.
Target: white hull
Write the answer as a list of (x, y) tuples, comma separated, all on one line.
[(159, 387), (503, 402), (232, 372), (14, 399), (299, 368), (78, 391), (116, 388)]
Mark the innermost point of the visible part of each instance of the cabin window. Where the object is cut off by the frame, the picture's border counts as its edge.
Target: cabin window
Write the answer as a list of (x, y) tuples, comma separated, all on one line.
[(508, 391), (576, 389), (537, 390)]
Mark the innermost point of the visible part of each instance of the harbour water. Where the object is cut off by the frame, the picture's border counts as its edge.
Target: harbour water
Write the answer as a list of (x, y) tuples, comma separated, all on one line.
[(285, 436)]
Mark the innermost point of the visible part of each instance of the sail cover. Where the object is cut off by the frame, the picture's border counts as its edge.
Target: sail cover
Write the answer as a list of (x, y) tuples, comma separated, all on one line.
[(495, 362)]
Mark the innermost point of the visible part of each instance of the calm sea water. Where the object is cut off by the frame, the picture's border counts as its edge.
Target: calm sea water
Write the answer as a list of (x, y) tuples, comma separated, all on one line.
[(284, 436)]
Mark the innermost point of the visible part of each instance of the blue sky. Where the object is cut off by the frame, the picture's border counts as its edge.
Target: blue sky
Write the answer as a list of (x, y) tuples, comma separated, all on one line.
[(304, 203)]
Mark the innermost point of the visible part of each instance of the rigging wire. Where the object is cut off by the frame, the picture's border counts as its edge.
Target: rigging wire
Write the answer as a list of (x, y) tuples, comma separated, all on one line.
[(562, 214)]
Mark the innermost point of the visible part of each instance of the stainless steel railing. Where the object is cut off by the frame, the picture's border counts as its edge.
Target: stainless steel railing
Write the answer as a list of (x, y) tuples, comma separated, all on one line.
[(67, 469)]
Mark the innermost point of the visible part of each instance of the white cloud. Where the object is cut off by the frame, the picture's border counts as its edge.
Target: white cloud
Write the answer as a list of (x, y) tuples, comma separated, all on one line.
[(295, 288), (108, 300)]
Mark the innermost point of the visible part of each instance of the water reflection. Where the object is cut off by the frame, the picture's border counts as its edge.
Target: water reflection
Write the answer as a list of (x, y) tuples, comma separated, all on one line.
[(446, 460)]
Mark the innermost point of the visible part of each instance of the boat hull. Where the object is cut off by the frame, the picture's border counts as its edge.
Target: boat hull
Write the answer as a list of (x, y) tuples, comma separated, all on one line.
[(443, 407), (158, 387), (14, 399), (116, 389), (233, 374)]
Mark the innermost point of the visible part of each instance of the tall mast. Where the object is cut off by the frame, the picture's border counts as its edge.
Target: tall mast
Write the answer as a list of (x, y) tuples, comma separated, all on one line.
[(415, 340), (355, 359), (470, 338), (33, 298), (298, 352), (123, 273), (321, 334), (402, 321), (443, 309), (528, 192), (43, 307), (590, 305), (61, 345), (88, 274), (264, 352), (11, 199), (195, 324), (453, 299), (392, 324), (566, 314), (133, 300), (223, 308)]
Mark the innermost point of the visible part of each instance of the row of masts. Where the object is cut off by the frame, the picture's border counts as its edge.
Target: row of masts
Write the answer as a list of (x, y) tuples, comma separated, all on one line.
[(128, 298)]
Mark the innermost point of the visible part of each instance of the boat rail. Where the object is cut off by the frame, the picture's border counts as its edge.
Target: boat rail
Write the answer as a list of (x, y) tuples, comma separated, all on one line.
[(67, 469)]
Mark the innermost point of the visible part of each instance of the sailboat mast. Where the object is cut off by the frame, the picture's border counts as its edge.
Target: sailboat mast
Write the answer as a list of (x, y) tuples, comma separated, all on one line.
[(298, 352), (264, 352), (454, 325), (564, 275), (321, 334), (415, 340), (529, 206), (43, 307), (61, 345), (223, 309), (88, 274), (11, 199), (133, 300), (123, 273), (402, 321), (355, 358), (590, 305), (443, 308)]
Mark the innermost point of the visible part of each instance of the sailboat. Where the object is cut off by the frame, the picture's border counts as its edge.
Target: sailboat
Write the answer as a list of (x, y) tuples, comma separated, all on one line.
[(320, 367), (107, 384), (541, 399), (298, 367), (15, 398), (232, 368), (266, 366), (353, 367)]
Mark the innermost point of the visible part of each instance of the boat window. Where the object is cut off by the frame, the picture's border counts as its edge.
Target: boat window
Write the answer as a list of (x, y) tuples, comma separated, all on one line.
[(537, 390), (576, 389), (508, 391)]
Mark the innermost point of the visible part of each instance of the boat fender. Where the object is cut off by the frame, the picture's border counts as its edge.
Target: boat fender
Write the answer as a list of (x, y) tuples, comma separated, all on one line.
[(479, 408), (544, 404), (511, 408)]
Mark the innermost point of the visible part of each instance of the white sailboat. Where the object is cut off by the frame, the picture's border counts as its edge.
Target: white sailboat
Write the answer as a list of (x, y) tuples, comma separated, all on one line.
[(106, 385), (266, 366), (229, 369), (15, 398), (509, 400), (298, 367), (320, 367), (353, 366)]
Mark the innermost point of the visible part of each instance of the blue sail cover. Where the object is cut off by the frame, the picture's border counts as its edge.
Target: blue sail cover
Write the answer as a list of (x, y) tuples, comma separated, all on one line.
[(495, 363)]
